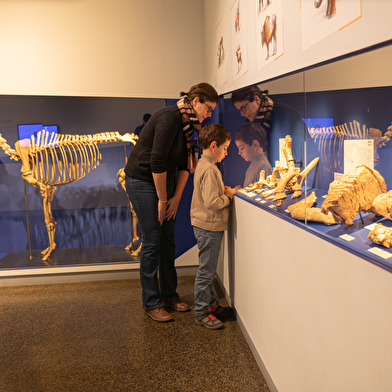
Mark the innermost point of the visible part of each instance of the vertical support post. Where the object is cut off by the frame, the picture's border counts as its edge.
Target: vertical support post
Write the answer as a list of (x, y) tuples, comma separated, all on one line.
[(27, 220), (129, 205)]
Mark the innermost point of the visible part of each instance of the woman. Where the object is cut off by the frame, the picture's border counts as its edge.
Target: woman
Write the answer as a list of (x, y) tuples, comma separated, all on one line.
[(255, 106), (156, 174), (278, 118)]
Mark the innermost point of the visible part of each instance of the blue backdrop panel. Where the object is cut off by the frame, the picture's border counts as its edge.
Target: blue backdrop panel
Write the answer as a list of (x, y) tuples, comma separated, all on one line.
[(92, 211)]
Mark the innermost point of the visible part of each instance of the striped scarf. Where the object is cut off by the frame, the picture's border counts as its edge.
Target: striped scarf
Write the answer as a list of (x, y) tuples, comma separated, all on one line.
[(189, 124), (265, 113)]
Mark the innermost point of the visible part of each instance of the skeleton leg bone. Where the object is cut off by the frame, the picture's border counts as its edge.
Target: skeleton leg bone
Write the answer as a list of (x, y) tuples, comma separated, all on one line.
[(135, 238), (47, 193), (297, 188)]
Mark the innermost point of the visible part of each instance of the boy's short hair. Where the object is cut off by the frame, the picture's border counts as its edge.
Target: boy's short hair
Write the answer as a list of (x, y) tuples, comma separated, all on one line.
[(213, 133), (252, 131)]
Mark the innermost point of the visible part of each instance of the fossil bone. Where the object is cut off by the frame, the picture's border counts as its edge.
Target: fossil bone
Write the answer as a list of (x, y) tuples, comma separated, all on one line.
[(285, 175), (305, 210), (382, 205), (381, 235), (297, 187), (49, 160), (289, 179), (355, 192)]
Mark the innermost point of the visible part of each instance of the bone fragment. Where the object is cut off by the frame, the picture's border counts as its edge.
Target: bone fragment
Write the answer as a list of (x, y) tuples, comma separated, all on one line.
[(382, 205), (353, 193), (305, 210), (297, 188), (381, 235)]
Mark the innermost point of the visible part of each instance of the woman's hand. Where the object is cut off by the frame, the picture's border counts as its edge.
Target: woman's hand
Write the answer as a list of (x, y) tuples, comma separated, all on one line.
[(172, 206), (162, 211)]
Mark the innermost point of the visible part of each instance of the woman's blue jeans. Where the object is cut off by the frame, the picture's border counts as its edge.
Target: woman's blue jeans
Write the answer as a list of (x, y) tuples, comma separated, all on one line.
[(158, 249)]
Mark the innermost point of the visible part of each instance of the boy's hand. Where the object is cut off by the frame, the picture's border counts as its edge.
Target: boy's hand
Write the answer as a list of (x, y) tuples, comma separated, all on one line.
[(230, 191)]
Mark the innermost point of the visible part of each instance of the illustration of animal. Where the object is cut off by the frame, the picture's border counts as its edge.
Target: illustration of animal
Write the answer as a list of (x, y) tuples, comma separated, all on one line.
[(263, 4), (238, 57), (221, 52), (331, 7), (237, 26), (268, 34), (49, 160)]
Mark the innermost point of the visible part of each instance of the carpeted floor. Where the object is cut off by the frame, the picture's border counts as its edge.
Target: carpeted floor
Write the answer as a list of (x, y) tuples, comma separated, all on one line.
[(94, 336)]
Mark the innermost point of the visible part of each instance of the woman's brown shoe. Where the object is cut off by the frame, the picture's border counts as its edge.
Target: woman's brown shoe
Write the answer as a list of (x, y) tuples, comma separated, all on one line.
[(159, 315), (177, 304)]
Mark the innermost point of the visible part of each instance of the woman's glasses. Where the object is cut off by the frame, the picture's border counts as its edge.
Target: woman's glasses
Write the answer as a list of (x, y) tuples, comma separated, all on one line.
[(243, 108), (210, 109)]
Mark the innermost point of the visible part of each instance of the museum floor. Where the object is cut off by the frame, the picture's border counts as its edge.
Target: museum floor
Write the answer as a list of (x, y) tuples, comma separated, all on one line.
[(94, 336)]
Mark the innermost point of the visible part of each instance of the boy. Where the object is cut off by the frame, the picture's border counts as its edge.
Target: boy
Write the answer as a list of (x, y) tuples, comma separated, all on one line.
[(251, 140), (209, 217)]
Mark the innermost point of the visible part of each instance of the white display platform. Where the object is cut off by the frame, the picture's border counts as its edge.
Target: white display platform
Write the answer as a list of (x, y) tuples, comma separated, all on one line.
[(317, 317), (186, 264)]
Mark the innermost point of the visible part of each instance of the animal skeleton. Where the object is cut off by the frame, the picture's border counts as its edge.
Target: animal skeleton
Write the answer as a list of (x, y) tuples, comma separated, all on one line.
[(49, 160), (291, 179), (121, 179), (330, 141)]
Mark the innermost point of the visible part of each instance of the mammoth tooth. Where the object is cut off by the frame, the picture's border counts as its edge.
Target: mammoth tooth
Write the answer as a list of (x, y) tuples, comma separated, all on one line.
[(355, 192)]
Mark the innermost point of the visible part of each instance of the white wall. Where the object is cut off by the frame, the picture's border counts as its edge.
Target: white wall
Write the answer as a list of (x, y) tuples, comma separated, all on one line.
[(373, 27), (121, 48), (319, 317), (153, 48)]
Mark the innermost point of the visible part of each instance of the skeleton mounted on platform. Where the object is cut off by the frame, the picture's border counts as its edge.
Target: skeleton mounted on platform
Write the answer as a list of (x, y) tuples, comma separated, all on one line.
[(49, 160)]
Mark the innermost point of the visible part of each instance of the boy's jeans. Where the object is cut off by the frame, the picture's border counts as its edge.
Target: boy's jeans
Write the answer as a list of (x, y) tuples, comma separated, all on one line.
[(209, 244)]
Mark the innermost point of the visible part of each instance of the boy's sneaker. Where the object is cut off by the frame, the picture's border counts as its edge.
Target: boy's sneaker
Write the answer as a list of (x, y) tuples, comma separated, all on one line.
[(209, 321), (222, 311)]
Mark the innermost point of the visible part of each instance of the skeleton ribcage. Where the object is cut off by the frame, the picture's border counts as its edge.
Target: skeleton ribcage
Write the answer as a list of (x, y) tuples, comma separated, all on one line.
[(66, 159)]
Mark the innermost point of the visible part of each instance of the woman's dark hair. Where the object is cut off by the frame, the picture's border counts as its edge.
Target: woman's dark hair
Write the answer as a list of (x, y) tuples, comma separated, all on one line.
[(213, 133), (204, 91), (252, 131), (248, 94)]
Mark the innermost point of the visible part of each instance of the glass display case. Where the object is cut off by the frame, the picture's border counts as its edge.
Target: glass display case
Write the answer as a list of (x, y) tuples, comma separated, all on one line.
[(338, 114), (92, 219)]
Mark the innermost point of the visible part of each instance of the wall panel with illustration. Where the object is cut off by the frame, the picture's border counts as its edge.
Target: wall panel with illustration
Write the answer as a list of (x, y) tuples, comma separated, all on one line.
[(281, 36)]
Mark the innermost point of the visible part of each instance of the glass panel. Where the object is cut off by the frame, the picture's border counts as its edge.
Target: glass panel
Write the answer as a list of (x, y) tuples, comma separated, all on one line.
[(338, 117), (92, 222)]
